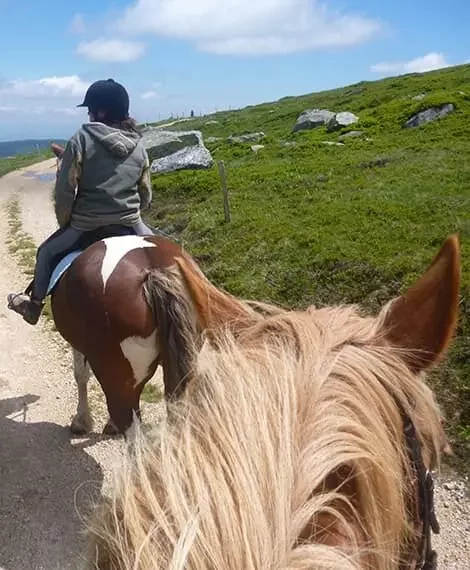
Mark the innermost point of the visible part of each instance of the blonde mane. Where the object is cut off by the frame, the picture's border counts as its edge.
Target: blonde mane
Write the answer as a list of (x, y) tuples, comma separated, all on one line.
[(247, 471)]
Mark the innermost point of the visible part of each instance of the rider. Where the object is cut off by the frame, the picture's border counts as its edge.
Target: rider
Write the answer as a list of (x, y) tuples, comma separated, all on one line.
[(104, 179)]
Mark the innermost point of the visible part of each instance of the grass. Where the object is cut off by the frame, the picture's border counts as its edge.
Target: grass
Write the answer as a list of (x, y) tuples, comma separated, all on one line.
[(322, 224), (14, 163), (151, 394)]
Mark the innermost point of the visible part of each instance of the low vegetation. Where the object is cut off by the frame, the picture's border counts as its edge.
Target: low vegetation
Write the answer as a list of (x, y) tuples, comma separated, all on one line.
[(20, 161), (313, 223)]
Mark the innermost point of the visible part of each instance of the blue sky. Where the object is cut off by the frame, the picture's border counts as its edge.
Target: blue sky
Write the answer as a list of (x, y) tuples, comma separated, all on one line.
[(178, 55)]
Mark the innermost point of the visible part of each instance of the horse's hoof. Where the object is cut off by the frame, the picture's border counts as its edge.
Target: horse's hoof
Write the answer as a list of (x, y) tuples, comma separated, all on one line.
[(110, 429), (81, 425)]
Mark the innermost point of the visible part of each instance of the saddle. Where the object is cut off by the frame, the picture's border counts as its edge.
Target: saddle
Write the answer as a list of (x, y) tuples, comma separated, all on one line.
[(63, 261)]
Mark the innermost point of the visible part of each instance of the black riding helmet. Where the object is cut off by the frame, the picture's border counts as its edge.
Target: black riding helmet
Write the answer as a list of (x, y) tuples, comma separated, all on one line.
[(108, 96)]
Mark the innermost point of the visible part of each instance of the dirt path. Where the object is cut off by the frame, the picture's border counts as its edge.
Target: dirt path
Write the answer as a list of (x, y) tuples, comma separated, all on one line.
[(47, 477)]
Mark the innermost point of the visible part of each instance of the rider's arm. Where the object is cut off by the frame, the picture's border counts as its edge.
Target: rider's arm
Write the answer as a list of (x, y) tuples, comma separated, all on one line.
[(67, 183), (144, 185)]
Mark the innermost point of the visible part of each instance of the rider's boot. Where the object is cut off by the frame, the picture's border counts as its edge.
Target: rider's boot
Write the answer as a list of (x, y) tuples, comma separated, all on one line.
[(30, 309)]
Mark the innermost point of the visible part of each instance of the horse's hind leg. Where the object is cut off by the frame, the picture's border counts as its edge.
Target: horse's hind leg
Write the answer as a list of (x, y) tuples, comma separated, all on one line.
[(82, 422)]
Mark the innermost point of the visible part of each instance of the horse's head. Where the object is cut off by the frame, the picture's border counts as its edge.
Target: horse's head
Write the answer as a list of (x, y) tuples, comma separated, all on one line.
[(58, 150), (410, 335), (306, 439)]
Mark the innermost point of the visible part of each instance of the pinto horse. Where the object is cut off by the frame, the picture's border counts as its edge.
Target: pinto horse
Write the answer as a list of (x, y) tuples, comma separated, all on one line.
[(305, 439), (121, 303)]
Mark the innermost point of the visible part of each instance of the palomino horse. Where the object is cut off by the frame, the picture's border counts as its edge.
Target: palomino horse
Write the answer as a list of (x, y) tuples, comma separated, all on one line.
[(305, 439), (118, 303)]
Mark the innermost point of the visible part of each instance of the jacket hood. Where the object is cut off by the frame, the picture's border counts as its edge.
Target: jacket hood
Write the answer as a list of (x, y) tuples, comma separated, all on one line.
[(119, 142)]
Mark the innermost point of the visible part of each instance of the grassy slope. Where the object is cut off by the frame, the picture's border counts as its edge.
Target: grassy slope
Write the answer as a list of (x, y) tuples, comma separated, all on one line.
[(323, 224), (9, 164)]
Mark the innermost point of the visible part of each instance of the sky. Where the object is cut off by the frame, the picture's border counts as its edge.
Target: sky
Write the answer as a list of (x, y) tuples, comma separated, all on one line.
[(175, 56)]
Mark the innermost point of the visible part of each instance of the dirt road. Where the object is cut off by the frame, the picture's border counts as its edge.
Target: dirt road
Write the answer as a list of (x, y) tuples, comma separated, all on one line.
[(47, 478)]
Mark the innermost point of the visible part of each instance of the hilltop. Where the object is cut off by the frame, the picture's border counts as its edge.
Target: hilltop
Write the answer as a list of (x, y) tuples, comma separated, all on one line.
[(314, 223), (9, 149)]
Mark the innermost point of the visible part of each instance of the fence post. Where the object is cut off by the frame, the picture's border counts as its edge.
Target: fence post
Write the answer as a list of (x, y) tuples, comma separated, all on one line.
[(223, 180)]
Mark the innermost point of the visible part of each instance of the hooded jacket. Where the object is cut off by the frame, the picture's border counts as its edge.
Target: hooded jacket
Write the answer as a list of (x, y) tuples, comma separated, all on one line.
[(104, 178)]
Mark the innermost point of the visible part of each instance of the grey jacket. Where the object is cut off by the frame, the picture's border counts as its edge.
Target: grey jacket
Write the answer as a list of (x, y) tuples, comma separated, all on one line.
[(104, 178)]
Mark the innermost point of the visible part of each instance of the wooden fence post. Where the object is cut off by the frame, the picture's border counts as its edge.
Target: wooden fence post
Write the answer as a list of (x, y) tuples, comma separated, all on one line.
[(223, 180)]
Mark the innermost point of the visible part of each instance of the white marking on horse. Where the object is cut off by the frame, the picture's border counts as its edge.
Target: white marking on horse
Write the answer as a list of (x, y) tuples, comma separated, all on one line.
[(140, 352), (116, 249)]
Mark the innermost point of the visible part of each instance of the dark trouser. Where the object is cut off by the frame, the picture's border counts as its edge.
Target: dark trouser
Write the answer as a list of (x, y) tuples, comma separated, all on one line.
[(60, 243)]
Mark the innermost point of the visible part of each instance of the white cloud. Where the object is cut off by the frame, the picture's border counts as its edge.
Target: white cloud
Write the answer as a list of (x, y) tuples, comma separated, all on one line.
[(149, 95), (249, 27), (111, 50), (78, 25), (39, 110), (427, 62), (65, 86)]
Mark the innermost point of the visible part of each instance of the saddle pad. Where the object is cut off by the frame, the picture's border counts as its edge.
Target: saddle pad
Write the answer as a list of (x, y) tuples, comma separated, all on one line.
[(61, 268)]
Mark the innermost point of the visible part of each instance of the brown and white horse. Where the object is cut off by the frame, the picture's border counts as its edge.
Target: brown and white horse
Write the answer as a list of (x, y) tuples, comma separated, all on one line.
[(123, 307), (305, 439)]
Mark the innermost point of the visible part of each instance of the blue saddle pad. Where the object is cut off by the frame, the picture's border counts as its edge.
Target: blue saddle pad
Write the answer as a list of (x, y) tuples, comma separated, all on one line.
[(61, 268)]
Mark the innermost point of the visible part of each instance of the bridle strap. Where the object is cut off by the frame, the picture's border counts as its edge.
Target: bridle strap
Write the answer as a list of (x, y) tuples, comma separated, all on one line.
[(427, 556)]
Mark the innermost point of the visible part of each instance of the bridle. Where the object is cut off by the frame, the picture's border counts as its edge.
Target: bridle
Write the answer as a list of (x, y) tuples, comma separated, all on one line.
[(427, 557)]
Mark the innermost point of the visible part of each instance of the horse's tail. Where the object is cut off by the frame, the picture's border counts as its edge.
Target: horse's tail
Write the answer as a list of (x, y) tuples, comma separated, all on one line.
[(176, 325)]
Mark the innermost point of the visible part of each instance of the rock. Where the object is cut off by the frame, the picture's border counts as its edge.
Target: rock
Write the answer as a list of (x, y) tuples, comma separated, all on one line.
[(419, 97), (312, 118), (351, 135), (379, 161), (249, 137), (429, 115), (213, 122), (288, 143), (176, 150), (332, 143), (341, 120), (257, 147), (213, 139)]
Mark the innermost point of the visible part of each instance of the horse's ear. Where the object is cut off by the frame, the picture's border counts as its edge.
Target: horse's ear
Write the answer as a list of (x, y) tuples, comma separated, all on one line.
[(57, 150), (214, 308), (423, 320)]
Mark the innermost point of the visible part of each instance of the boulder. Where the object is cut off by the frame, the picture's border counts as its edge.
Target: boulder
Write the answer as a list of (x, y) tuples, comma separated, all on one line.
[(351, 135), (332, 143), (257, 147), (248, 137), (175, 150), (429, 115), (341, 120), (312, 118)]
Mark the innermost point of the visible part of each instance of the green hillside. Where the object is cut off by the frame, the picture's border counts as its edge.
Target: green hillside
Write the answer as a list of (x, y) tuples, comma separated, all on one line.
[(313, 223), (13, 163)]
